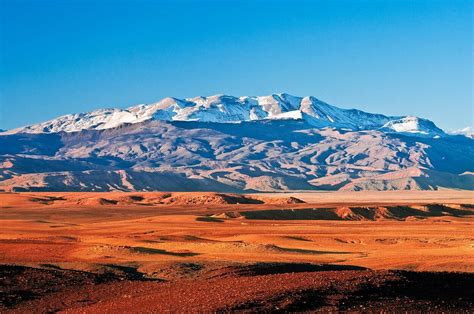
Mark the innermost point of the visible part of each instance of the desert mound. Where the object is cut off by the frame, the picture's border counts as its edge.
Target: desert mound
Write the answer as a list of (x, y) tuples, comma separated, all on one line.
[(145, 198), (356, 213), (221, 199), (205, 199)]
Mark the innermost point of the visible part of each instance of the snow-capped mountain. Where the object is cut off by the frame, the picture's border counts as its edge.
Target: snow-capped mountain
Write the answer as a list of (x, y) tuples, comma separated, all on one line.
[(234, 144), (467, 131), (230, 109)]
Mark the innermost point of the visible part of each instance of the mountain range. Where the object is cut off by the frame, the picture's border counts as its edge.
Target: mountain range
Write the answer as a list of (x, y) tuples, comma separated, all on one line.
[(234, 144)]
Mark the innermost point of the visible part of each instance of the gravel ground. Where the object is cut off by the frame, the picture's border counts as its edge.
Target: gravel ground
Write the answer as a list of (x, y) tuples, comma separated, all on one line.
[(258, 287)]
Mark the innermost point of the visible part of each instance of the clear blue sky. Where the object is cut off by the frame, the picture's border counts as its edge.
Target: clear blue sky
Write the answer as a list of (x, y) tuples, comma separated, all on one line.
[(391, 57)]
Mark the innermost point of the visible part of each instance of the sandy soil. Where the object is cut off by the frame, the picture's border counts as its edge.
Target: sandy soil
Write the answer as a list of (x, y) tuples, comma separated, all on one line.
[(146, 246)]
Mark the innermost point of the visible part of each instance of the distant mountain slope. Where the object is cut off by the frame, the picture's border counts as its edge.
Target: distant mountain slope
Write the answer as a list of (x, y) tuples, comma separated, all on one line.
[(467, 131), (261, 155), (230, 109)]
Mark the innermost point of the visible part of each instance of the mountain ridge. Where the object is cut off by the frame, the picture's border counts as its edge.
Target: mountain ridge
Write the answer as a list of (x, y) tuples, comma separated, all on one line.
[(233, 144), (251, 156), (230, 109)]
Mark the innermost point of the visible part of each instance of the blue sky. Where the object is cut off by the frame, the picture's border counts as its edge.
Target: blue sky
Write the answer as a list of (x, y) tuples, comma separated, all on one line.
[(392, 57)]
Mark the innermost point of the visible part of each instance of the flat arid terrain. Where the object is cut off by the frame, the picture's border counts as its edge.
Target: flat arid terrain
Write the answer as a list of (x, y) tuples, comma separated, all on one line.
[(115, 252)]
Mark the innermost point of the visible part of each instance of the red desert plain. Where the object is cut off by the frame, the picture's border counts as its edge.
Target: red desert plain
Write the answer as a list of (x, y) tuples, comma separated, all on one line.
[(154, 251)]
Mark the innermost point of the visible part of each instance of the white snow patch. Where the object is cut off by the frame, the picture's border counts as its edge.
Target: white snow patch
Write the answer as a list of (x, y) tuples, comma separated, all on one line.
[(230, 109), (467, 131)]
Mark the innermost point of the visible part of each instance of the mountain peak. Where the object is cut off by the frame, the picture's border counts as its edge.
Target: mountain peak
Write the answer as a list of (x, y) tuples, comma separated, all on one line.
[(467, 131), (221, 108), (412, 124)]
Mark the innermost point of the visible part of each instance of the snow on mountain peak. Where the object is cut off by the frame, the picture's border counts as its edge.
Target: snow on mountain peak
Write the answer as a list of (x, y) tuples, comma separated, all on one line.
[(229, 109), (412, 124), (467, 131)]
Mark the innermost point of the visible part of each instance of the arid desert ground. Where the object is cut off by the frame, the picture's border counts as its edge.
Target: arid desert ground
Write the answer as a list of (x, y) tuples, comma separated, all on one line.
[(125, 252)]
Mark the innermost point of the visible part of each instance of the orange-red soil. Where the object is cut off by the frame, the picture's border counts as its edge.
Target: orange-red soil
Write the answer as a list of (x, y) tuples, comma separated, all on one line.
[(210, 251)]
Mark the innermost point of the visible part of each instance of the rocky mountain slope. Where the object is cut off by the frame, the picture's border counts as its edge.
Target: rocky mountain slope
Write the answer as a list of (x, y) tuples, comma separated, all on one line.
[(224, 143)]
